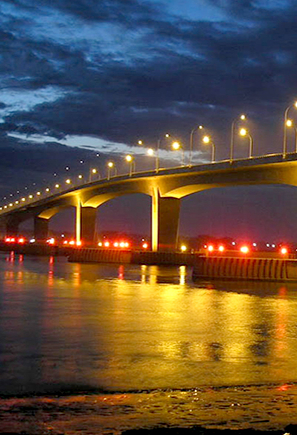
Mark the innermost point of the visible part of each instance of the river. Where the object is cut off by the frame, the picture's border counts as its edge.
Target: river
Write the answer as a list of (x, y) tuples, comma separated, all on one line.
[(114, 347)]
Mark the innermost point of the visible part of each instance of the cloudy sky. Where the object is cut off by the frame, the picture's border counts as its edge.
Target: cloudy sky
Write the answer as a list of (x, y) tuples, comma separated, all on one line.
[(87, 77)]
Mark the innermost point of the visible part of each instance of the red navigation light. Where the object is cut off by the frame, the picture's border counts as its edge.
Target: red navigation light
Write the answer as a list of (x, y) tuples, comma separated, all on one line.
[(21, 240), (221, 248), (145, 245), (284, 251), (210, 248), (244, 249)]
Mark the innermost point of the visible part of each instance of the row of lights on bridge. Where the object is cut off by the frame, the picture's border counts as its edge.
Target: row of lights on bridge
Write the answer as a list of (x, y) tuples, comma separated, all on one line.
[(288, 123)]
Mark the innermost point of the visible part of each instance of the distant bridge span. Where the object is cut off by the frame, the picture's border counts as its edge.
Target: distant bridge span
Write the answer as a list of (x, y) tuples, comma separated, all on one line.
[(166, 188)]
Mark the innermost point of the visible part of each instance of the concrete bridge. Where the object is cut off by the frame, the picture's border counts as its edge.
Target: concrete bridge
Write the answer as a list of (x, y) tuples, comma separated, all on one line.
[(166, 187)]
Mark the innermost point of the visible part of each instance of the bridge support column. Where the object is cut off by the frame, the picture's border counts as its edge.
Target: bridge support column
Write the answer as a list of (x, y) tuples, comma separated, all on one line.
[(85, 224), (88, 225), (165, 222), (40, 228)]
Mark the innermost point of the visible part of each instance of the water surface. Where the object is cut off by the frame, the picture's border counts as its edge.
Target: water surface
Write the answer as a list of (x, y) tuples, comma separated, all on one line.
[(110, 329)]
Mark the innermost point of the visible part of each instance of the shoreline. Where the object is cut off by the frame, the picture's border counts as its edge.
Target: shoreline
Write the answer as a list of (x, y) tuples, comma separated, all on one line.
[(204, 411)]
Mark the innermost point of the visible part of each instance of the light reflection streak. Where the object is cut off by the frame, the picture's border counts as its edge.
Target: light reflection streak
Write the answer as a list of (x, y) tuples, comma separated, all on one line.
[(182, 275), (143, 273)]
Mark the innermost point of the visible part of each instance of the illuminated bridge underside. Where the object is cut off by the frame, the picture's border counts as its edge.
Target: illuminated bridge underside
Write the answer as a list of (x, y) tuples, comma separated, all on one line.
[(166, 188)]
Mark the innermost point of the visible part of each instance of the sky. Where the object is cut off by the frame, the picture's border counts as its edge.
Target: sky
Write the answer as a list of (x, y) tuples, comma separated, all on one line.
[(84, 80)]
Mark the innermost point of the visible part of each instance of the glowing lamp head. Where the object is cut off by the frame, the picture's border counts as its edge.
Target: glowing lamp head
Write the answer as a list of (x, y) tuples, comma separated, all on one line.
[(243, 117), (106, 244), (289, 123), (150, 152), (57, 186), (284, 251), (110, 164), (183, 248), (145, 245), (94, 171), (244, 249), (80, 176), (210, 248), (129, 158), (140, 142), (206, 139), (78, 243), (68, 181), (200, 127), (167, 135), (176, 145), (243, 132), (38, 193), (221, 248), (295, 104)]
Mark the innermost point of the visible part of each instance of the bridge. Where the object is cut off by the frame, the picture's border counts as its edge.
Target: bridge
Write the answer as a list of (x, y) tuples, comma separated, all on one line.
[(166, 187)]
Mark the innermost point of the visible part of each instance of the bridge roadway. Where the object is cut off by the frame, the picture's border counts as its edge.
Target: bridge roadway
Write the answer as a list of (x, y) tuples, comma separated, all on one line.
[(166, 187)]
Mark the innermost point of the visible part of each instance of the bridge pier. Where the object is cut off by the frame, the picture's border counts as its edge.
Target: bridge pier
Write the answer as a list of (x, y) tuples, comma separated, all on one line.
[(165, 222), (40, 228), (85, 224)]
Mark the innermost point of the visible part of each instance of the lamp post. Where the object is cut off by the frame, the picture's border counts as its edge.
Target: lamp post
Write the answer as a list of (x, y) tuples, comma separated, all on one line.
[(178, 147), (93, 172), (110, 165), (207, 140), (157, 150), (242, 118), (150, 152), (243, 132), (130, 160), (199, 127), (285, 128)]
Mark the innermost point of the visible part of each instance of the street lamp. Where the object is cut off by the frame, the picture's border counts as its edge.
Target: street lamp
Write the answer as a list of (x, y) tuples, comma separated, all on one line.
[(285, 127), (178, 147), (130, 160), (157, 151), (199, 127), (207, 140), (289, 123), (241, 118), (110, 165), (93, 172), (243, 132)]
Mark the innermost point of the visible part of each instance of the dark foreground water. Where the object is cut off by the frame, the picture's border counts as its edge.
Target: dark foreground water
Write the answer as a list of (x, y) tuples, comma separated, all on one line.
[(102, 348)]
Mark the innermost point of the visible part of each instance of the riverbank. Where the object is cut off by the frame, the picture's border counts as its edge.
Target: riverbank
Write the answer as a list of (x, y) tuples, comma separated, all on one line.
[(203, 411)]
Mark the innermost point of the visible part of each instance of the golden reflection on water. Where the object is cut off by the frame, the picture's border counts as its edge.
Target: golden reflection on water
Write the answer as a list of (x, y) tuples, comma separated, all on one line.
[(143, 326)]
